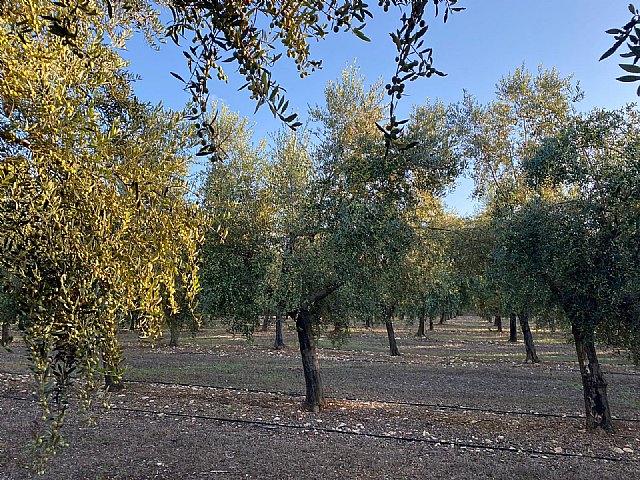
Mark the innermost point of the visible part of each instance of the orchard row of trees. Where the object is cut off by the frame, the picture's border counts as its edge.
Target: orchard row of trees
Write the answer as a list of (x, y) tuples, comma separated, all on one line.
[(100, 224), (340, 222), (559, 234), (335, 230), (326, 228)]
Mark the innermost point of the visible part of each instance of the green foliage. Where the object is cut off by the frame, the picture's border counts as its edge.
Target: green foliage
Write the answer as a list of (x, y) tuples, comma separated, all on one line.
[(472, 248), (236, 255), (501, 135), (582, 249), (630, 33), (374, 199), (339, 216), (95, 223), (500, 138)]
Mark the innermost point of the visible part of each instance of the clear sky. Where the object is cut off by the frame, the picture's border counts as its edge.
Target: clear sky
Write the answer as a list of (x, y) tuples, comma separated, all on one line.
[(475, 48)]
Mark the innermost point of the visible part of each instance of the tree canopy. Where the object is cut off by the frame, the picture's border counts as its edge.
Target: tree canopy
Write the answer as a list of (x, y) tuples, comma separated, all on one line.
[(253, 37), (96, 222)]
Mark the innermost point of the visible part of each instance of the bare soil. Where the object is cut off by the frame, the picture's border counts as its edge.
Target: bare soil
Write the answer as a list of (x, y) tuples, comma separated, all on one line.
[(459, 404)]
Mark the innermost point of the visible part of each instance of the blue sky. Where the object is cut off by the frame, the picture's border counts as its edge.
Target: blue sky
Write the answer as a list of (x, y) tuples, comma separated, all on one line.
[(475, 48)]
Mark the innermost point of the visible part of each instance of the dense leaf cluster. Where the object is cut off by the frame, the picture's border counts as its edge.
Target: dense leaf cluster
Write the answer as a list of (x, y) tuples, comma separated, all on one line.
[(95, 221), (344, 214)]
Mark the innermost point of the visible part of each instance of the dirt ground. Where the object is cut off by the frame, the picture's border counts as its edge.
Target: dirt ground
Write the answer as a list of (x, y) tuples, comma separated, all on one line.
[(458, 404)]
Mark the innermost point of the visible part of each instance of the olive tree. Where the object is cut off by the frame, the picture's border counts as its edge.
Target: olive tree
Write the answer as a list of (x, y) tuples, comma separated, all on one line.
[(95, 222), (581, 248), (238, 255), (500, 137)]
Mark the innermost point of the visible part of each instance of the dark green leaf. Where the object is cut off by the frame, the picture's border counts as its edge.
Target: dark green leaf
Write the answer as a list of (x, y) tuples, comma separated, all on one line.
[(178, 77), (630, 68), (360, 35), (611, 51), (628, 78)]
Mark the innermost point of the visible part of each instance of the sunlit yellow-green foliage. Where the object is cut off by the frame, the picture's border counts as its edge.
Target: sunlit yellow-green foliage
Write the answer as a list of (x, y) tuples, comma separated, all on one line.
[(94, 219), (434, 286), (502, 134)]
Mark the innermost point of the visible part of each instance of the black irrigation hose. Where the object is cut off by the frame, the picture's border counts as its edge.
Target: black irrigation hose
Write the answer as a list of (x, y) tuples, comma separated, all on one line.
[(407, 362), (11, 397), (274, 425), (354, 399), (384, 402)]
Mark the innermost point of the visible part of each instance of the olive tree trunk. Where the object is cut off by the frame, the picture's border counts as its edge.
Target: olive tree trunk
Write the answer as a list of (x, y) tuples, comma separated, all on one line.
[(513, 328), (388, 322), (431, 319), (594, 387), (421, 322), (528, 339), (174, 332), (314, 398), (393, 346), (497, 322), (6, 338), (278, 343)]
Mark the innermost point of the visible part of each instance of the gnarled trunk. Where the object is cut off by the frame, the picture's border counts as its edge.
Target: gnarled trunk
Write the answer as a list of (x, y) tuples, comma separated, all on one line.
[(266, 322), (528, 339), (279, 339), (393, 346), (442, 315), (314, 399), (513, 328), (431, 322), (594, 387)]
